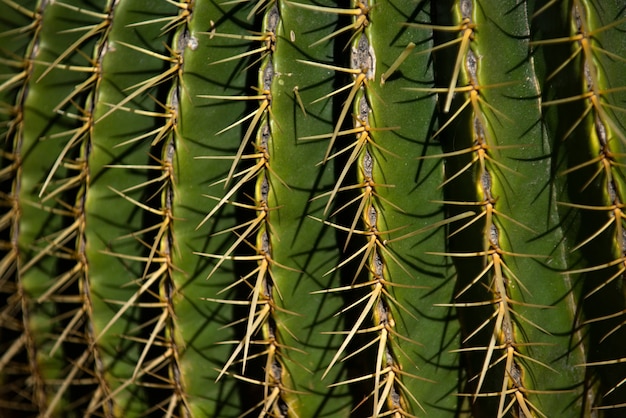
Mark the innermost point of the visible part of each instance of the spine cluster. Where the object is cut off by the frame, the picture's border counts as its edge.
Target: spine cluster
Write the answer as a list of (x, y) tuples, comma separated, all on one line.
[(296, 208), (253, 173), (366, 269), (594, 126), (481, 248)]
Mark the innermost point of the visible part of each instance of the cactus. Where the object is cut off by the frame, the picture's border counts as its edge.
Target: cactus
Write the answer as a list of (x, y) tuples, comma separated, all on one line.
[(312, 209)]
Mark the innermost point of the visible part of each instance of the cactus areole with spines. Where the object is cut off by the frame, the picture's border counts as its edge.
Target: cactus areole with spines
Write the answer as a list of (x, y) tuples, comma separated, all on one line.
[(296, 208)]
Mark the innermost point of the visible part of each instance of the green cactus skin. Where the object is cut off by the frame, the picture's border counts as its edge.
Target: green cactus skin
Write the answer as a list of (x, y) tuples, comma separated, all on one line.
[(515, 368), (312, 209), (590, 148)]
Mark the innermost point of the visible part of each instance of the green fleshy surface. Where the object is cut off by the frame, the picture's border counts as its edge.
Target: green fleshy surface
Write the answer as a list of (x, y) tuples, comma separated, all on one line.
[(113, 278), (193, 326)]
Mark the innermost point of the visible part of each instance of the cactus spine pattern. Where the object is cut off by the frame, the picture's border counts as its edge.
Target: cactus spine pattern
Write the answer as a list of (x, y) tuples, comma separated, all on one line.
[(312, 209)]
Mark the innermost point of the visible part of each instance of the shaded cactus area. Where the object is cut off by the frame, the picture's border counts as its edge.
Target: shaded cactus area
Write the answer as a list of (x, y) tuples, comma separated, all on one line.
[(312, 208)]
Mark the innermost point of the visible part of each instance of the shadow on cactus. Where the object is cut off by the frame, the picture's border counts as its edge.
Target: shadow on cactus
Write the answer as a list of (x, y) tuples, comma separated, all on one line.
[(312, 209)]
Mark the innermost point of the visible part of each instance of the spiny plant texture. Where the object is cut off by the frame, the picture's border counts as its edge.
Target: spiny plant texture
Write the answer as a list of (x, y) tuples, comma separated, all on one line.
[(312, 208)]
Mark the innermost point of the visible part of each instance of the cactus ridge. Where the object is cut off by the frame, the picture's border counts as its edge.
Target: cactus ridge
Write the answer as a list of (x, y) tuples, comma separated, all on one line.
[(503, 345), (605, 136), (297, 209), (257, 233)]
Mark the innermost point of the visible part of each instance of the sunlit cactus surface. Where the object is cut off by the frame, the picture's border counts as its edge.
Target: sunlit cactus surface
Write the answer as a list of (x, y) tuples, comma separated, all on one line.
[(313, 208)]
